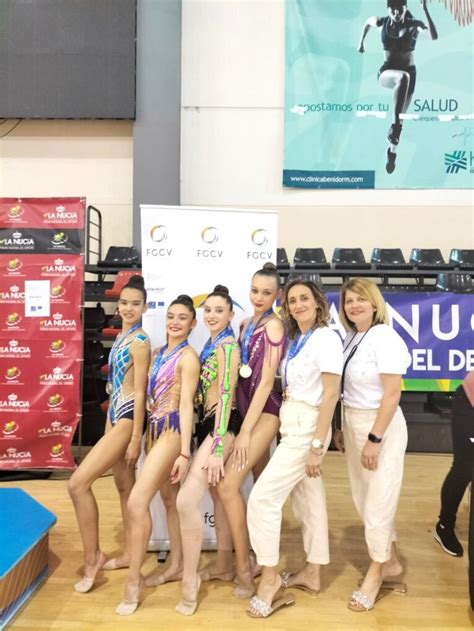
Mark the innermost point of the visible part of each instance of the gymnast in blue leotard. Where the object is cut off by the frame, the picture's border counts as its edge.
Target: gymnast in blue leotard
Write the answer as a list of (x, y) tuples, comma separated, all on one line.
[(119, 448)]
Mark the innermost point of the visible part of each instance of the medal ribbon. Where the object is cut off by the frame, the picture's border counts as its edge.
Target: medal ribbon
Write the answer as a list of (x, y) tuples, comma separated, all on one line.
[(210, 345), (159, 361), (296, 345), (249, 331)]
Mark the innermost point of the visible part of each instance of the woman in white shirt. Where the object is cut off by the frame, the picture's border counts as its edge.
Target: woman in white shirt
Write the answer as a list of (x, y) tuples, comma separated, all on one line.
[(374, 433), (310, 372)]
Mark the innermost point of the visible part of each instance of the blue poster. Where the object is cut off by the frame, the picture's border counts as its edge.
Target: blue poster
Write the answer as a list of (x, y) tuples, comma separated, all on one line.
[(438, 329), (379, 94)]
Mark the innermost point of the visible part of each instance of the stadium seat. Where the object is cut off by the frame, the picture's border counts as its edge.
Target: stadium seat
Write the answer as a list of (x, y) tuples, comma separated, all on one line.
[(463, 259), (456, 282), (282, 259), (389, 259), (426, 259), (310, 258), (348, 258), (121, 279), (307, 276), (121, 256)]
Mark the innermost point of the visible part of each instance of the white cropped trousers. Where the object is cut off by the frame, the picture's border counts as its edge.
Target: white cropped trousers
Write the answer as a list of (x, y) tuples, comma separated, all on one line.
[(376, 493), (284, 475)]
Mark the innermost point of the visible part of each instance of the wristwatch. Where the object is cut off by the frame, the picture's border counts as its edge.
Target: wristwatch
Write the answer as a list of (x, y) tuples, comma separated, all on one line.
[(317, 444), (373, 438)]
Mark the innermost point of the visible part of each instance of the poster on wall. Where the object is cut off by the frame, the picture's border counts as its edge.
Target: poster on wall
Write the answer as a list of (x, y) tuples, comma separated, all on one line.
[(189, 251), (379, 94), (41, 282)]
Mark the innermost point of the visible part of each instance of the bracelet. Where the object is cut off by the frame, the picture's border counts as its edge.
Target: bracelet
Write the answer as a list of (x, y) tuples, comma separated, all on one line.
[(373, 438), (185, 456)]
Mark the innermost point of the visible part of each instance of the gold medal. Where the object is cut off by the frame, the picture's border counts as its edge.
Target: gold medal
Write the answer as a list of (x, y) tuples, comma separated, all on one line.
[(245, 371)]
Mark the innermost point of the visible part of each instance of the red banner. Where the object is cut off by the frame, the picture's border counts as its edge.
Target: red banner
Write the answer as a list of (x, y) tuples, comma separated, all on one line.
[(41, 345)]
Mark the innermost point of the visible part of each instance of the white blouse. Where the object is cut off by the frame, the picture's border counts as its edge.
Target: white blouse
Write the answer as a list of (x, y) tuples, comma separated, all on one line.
[(321, 353), (382, 351)]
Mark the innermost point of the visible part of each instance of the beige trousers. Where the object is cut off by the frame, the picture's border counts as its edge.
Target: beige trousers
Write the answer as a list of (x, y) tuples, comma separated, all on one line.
[(376, 493), (284, 475)]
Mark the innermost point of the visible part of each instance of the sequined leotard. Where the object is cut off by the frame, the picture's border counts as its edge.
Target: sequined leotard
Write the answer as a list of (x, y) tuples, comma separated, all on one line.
[(163, 408), (207, 422), (260, 348), (121, 373)]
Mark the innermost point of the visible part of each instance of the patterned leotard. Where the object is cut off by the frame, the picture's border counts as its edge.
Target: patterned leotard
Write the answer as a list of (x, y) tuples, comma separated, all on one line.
[(260, 349), (121, 371), (163, 410), (207, 423)]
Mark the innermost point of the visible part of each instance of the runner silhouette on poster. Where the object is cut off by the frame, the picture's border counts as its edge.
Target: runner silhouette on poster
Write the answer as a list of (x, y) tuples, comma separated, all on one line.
[(399, 33)]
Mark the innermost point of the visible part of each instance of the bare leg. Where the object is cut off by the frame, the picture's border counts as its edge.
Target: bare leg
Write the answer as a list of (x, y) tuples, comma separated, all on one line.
[(393, 567), (399, 82), (229, 491), (155, 473), (223, 568), (174, 571), (269, 585), (191, 523), (124, 478), (105, 453)]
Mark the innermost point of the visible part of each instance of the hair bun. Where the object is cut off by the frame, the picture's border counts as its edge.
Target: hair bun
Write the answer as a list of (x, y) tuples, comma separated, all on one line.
[(221, 289), (185, 298), (270, 266), (137, 280)]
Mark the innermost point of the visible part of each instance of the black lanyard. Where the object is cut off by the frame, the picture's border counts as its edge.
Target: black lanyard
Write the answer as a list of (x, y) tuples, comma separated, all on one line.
[(343, 376)]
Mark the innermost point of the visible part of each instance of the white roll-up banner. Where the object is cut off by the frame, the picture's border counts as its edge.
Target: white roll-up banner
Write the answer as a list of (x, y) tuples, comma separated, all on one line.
[(189, 250)]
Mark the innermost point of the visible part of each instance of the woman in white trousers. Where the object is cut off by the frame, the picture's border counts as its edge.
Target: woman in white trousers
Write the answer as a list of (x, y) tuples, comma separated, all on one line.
[(374, 434), (310, 372)]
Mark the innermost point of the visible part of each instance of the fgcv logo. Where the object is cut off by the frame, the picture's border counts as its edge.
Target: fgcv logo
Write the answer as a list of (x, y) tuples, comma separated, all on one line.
[(455, 161)]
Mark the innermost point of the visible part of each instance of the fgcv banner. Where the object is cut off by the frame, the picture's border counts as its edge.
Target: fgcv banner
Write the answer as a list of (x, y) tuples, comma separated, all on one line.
[(379, 94)]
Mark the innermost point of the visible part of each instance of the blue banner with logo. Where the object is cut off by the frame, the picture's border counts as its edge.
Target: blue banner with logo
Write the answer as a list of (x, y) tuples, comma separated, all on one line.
[(379, 94), (438, 330)]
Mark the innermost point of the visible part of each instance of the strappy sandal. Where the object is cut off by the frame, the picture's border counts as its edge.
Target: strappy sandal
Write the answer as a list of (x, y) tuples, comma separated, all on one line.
[(258, 608), (394, 586), (285, 577), (360, 602)]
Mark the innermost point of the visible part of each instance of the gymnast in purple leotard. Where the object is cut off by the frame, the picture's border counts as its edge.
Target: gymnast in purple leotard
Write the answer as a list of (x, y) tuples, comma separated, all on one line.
[(172, 381), (262, 341)]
